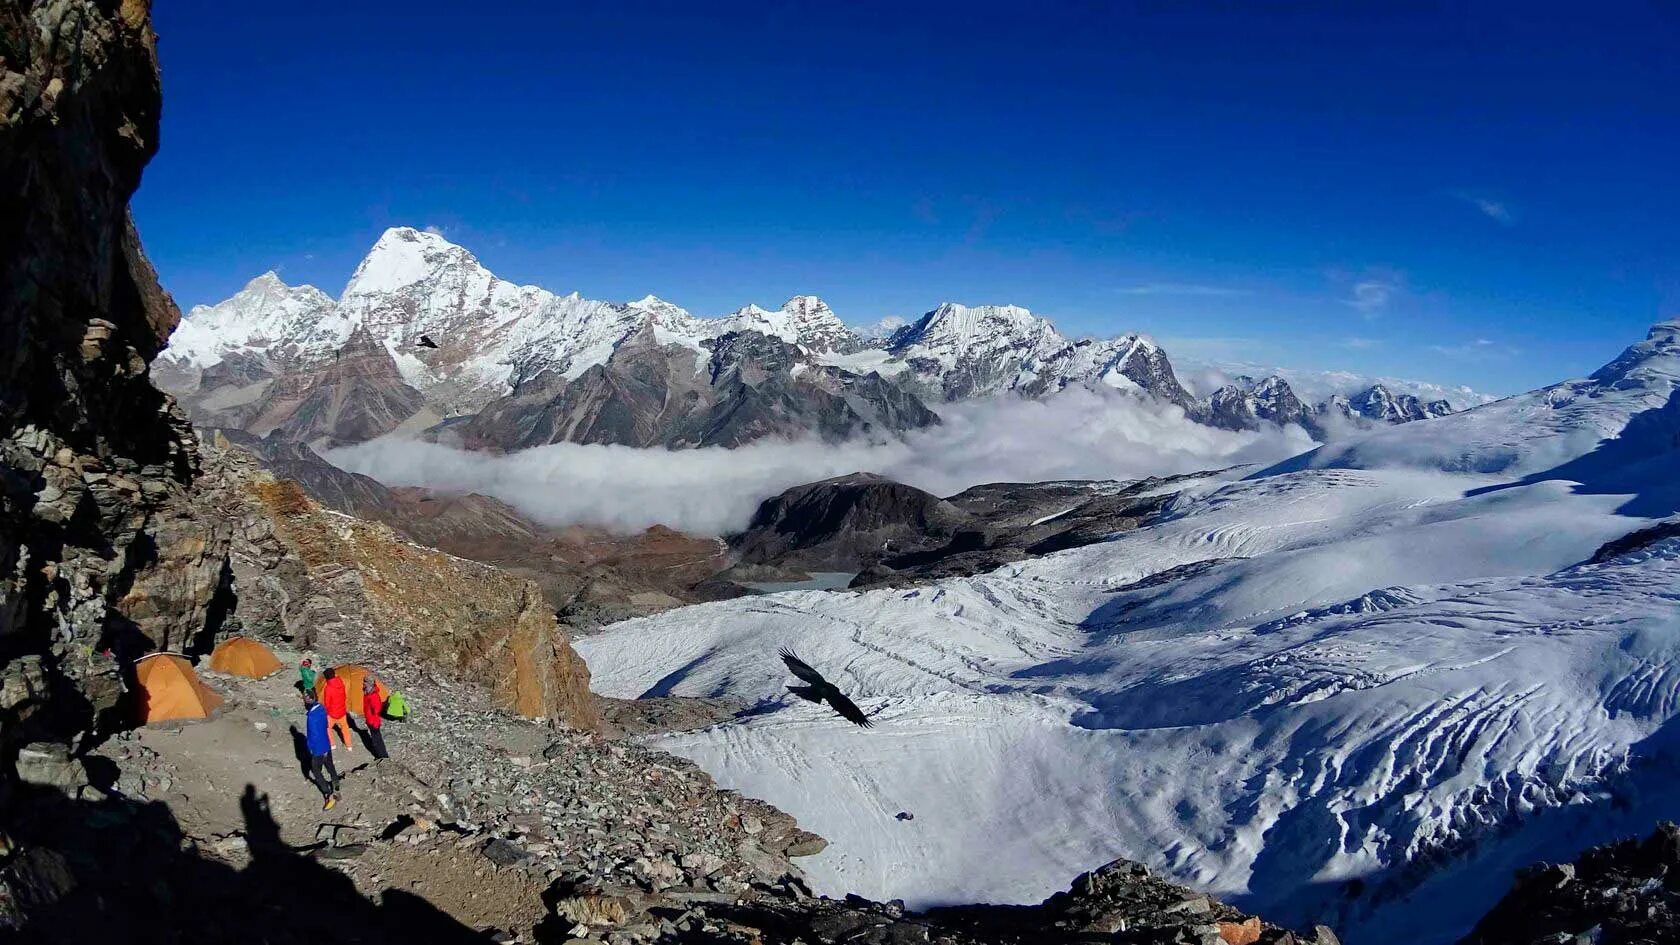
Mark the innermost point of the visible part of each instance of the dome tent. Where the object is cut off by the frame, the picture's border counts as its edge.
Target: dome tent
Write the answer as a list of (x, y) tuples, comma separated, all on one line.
[(169, 690), (242, 656), (352, 675)]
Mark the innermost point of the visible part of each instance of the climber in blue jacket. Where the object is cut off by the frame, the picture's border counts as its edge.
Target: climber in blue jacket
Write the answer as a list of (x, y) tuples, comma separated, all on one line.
[(321, 769)]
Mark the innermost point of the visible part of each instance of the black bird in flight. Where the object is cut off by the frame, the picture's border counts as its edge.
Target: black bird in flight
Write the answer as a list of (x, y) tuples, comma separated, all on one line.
[(426, 342), (821, 690)]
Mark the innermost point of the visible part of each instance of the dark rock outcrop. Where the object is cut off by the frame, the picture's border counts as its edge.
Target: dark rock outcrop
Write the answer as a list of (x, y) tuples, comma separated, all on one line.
[(92, 456), (845, 524), (894, 534), (1121, 902), (1635, 540), (1618, 893)]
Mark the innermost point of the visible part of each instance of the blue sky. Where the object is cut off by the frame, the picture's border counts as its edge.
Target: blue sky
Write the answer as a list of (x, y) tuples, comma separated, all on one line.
[(1485, 198)]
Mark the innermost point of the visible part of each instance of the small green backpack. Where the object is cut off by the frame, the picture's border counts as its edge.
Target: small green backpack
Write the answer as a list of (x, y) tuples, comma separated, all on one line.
[(396, 706)]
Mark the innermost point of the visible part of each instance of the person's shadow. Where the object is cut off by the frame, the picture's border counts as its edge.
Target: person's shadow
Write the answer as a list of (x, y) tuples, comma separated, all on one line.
[(300, 748), (118, 870)]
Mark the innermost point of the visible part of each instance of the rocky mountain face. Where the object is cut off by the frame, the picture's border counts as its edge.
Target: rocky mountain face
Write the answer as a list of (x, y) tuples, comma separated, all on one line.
[(1248, 404), (91, 455), (522, 366), (1380, 404), (357, 396), (742, 386)]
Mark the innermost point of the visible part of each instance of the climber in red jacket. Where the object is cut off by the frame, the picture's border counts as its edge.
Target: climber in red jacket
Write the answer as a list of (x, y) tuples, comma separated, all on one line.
[(373, 710), (337, 703)]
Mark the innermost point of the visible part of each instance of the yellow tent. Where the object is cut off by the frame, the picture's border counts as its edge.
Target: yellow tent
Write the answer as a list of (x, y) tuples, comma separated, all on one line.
[(352, 676), (169, 689), (240, 656)]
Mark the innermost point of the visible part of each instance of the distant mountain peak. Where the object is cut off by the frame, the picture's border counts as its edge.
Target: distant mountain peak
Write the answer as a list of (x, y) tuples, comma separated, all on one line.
[(807, 306), (660, 309), (404, 256)]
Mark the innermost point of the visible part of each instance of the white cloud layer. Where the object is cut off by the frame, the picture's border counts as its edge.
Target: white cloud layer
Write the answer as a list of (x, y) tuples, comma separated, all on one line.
[(1078, 434)]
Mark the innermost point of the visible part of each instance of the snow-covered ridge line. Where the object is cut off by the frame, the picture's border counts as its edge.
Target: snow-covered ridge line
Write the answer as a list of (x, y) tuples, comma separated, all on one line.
[(492, 335)]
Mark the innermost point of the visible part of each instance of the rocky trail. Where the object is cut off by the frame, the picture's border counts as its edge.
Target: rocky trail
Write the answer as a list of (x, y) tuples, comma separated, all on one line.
[(498, 822)]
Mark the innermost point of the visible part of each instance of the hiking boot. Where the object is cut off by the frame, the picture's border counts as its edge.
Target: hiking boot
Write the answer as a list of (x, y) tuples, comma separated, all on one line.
[(332, 801)]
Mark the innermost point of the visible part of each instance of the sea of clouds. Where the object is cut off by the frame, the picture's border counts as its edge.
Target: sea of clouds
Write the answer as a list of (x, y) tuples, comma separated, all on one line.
[(1079, 434)]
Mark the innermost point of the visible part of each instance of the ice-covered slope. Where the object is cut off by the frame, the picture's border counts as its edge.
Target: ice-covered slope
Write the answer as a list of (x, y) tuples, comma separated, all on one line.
[(1364, 685)]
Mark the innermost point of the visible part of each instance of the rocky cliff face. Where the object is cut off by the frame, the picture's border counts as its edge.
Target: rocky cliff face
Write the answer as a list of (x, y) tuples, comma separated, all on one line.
[(91, 454), (313, 577), (356, 396)]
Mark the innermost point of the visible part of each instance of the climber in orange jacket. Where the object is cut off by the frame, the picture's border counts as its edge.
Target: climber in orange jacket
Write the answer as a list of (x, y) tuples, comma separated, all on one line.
[(337, 703)]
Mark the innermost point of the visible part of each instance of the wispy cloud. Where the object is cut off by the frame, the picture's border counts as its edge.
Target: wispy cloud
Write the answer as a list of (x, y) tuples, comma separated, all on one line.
[(1181, 288), (1480, 349), (1371, 295), (1496, 210), (1360, 344), (436, 230)]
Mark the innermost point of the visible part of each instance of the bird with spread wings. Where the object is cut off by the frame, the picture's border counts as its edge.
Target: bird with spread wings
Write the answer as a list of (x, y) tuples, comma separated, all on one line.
[(821, 690)]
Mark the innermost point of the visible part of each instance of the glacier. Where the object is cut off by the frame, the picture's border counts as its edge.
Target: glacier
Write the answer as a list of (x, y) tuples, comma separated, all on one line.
[(1359, 687)]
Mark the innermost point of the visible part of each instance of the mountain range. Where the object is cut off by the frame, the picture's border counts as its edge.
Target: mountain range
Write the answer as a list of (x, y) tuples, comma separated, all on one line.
[(425, 338)]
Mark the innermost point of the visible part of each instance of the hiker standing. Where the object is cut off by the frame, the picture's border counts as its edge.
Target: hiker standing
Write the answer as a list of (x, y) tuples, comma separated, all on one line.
[(306, 672), (373, 709), (321, 769), (337, 702)]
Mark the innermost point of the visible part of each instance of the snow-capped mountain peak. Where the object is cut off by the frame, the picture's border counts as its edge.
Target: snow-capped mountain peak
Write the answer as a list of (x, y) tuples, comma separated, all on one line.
[(403, 256), (807, 307), (266, 313), (667, 312), (803, 320)]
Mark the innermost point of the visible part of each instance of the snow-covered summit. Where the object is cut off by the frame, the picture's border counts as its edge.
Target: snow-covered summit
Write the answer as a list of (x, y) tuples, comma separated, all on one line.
[(957, 351), (804, 320), (403, 256), (265, 313)]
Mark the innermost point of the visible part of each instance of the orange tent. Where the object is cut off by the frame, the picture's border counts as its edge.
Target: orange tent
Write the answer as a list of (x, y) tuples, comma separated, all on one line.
[(169, 689), (240, 656), (352, 676)]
